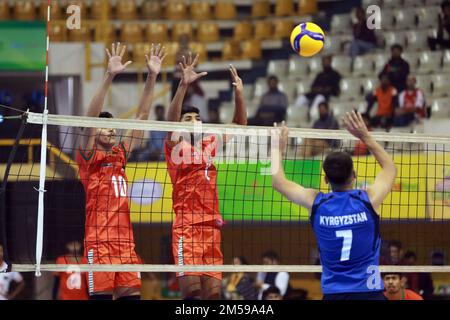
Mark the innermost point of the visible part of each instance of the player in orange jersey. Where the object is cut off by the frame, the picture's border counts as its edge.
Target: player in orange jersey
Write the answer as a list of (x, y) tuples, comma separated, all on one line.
[(196, 233), (108, 230), (394, 290), (71, 284)]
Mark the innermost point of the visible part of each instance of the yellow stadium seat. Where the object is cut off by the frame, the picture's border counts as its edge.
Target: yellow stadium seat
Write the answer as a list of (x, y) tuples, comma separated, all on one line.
[(176, 10), (284, 8), (307, 7), (131, 32), (24, 10), (156, 32), (260, 8), (126, 10), (208, 32), (243, 31), (4, 10), (55, 10), (182, 28), (200, 11), (152, 10), (139, 51), (171, 52), (225, 10), (283, 29), (57, 32), (263, 30), (109, 35), (97, 9), (251, 49), (200, 49), (231, 50), (80, 35)]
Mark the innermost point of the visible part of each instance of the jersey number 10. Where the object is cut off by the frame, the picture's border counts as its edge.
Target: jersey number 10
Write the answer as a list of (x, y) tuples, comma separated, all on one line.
[(120, 186)]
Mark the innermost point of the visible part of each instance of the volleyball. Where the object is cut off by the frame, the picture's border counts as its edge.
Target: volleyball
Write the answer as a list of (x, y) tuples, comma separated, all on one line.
[(307, 39)]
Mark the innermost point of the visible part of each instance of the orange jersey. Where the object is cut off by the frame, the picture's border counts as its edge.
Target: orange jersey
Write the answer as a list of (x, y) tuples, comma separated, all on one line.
[(193, 175), (72, 284), (385, 100), (107, 208), (404, 294)]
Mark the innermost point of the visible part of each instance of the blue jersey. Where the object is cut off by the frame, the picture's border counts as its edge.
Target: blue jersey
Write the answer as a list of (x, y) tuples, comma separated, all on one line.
[(347, 232)]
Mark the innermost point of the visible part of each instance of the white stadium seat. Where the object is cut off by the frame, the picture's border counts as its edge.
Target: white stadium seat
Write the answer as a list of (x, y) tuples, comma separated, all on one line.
[(446, 60), (380, 61), (260, 88), (430, 62), (297, 116), (342, 64), (412, 3), (424, 83), (298, 67), (226, 112), (394, 37), (340, 108), (289, 88), (341, 23), (440, 108), (366, 3), (369, 84), (405, 18), (363, 65), (387, 19), (315, 65), (413, 59), (350, 88), (391, 4), (417, 39), (427, 17), (303, 86), (278, 68), (441, 84)]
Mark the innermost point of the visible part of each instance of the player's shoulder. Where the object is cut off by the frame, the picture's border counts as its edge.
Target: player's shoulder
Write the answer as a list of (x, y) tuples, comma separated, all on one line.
[(412, 295)]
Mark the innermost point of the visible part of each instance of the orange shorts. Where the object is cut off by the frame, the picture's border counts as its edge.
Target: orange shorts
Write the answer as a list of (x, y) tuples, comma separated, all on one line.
[(112, 253), (197, 245)]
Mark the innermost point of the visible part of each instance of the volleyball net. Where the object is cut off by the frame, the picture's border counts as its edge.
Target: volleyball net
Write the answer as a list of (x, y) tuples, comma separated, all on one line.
[(43, 200)]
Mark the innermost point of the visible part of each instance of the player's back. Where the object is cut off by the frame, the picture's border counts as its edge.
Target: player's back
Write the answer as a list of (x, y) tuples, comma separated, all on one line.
[(347, 232), (72, 285)]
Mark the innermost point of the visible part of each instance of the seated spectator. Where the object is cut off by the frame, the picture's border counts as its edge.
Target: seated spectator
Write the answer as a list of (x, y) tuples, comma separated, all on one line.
[(325, 84), (364, 39), (442, 41), (313, 147), (239, 285), (385, 95), (264, 280), (360, 148), (394, 290), (397, 68), (419, 282), (272, 293), (6, 278), (154, 145), (411, 104), (273, 105)]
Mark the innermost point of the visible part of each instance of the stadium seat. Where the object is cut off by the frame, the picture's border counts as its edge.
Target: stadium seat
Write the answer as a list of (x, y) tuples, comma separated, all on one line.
[(200, 48), (413, 59), (430, 61), (424, 83), (251, 49), (55, 10), (80, 35), (140, 50), (225, 10), (4, 10), (231, 50), (363, 65), (315, 65), (446, 60), (283, 28), (440, 109), (171, 52), (284, 8), (131, 32), (342, 64), (387, 19), (110, 33), (341, 23), (412, 3), (126, 10), (243, 31), (405, 18), (427, 17), (263, 30), (157, 32), (350, 88), (24, 10), (226, 112), (296, 116), (182, 28), (298, 68), (152, 10), (97, 9), (332, 45), (394, 37), (340, 108), (208, 32), (289, 88), (417, 40), (260, 88), (260, 8), (441, 84), (369, 84), (366, 3), (57, 32), (380, 60), (307, 7), (176, 10), (304, 86), (391, 4), (200, 11), (278, 68)]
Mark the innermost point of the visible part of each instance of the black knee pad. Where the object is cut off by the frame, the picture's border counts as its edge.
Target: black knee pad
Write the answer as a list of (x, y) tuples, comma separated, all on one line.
[(101, 297)]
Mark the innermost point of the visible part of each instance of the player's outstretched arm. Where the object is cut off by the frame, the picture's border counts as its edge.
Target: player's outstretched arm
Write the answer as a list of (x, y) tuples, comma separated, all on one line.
[(115, 66), (379, 190), (240, 110), (291, 190), (154, 61)]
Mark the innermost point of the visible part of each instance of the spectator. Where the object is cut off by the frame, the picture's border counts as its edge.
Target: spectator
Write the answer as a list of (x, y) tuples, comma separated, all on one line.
[(182, 51), (240, 285), (195, 96), (385, 96), (395, 291), (395, 253), (266, 279), (155, 144), (272, 293), (443, 34), (397, 68), (420, 283), (6, 278), (326, 120), (273, 105), (213, 115), (364, 39), (411, 104), (360, 148), (325, 84), (437, 258), (71, 284)]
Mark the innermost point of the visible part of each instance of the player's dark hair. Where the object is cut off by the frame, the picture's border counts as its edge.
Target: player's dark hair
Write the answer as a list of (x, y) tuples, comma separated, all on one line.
[(384, 274), (105, 114), (272, 255), (159, 106), (324, 104), (270, 290), (445, 4), (396, 46), (410, 254), (189, 109), (243, 260), (338, 167), (395, 243), (273, 77)]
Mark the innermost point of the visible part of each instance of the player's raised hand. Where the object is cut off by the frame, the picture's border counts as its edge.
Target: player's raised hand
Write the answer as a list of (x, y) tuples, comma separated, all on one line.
[(155, 59), (283, 134), (187, 66), (115, 65), (237, 81), (355, 125)]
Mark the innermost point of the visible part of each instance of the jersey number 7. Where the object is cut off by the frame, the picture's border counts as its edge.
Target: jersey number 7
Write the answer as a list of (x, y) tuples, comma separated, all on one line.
[(347, 244)]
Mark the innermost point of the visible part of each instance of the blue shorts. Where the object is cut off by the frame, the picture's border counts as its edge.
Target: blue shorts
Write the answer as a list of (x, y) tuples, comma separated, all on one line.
[(377, 295)]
